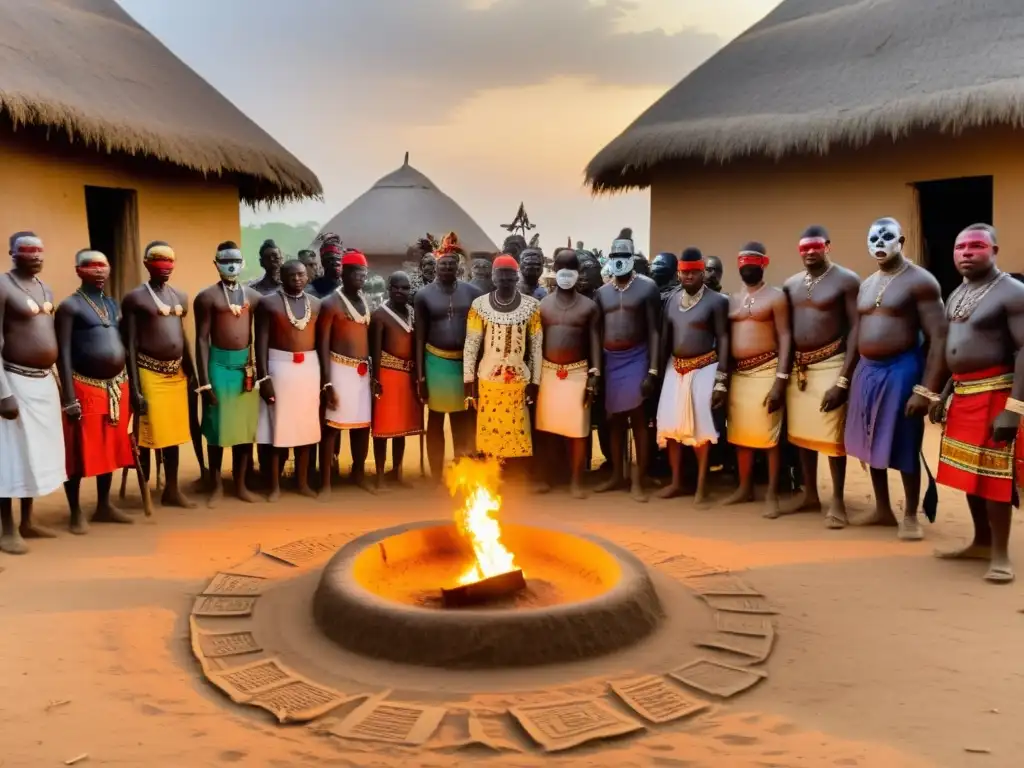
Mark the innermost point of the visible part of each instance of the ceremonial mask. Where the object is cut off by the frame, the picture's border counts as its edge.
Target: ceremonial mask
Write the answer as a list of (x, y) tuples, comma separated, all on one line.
[(566, 278), (230, 263), (884, 239), (620, 266), (159, 261), (974, 250), (93, 268)]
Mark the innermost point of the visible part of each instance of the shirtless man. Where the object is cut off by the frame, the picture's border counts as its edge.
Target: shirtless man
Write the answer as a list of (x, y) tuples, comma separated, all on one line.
[(885, 416), (695, 334), (713, 271), (271, 260), (630, 305), (570, 369), (94, 381), (160, 366), (480, 272), (531, 267), (397, 411), (761, 343), (227, 371), (823, 301), (590, 273), (312, 264), (31, 435), (288, 376), (343, 341), (441, 309), (331, 251), (985, 353)]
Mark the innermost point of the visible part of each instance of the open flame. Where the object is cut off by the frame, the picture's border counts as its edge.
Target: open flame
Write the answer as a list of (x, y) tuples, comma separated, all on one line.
[(478, 481)]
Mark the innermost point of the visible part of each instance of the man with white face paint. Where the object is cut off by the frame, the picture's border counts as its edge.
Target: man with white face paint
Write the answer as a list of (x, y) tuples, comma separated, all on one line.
[(891, 387), (226, 368), (570, 368)]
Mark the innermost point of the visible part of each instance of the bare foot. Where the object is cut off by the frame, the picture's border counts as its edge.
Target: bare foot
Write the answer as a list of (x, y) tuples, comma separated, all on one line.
[(805, 502), (878, 516), (13, 544), (324, 494), (304, 490), (275, 495), (701, 497), (173, 497), (637, 493), (972, 551), (77, 524), (669, 492), (577, 492), (1000, 571), (910, 529), (108, 513), (739, 496), (612, 484), (244, 494), (835, 518), (200, 486), (216, 496), (33, 531), (771, 508), (366, 485)]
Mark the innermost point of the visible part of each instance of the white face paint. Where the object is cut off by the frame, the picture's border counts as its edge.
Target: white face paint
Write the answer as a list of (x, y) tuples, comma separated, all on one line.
[(884, 239), (566, 278), (620, 265), (229, 264)]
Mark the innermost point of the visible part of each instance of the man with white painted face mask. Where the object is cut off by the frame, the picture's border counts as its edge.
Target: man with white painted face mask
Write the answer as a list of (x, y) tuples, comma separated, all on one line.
[(571, 366), (891, 388), (226, 369)]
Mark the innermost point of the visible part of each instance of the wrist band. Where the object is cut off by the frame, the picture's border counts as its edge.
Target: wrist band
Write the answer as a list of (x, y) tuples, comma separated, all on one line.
[(204, 388), (782, 376), (594, 372), (1015, 406), (259, 382), (72, 404), (652, 371), (926, 393), (843, 383), (720, 387), (328, 385), (721, 376)]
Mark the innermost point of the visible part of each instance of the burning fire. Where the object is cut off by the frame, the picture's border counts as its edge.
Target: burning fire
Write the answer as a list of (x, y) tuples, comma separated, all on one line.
[(478, 480)]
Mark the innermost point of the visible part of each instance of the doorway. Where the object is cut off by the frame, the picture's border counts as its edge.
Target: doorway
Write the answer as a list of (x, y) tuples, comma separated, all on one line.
[(946, 207), (114, 230)]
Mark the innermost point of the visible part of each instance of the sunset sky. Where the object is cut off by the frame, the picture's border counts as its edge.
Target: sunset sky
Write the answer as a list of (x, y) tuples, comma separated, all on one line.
[(496, 101)]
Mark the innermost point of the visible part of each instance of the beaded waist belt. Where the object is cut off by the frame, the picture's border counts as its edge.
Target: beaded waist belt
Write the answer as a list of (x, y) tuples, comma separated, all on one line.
[(802, 360), (444, 354), (980, 386), (562, 371), (113, 388), (148, 363), (361, 366), (743, 366), (395, 363), (28, 373), (685, 365)]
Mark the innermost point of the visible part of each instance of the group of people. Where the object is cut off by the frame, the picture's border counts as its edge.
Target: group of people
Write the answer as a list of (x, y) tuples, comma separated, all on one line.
[(286, 363)]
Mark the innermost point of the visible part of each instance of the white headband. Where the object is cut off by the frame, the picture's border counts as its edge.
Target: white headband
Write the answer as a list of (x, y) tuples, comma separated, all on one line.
[(91, 256), (229, 253)]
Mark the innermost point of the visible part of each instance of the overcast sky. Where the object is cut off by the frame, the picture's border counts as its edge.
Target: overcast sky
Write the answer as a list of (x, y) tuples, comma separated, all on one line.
[(496, 101)]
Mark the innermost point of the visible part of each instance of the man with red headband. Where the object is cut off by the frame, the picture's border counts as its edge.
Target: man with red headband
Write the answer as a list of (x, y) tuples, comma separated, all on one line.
[(442, 308), (94, 380), (823, 301), (160, 366), (502, 363), (985, 353), (31, 434), (695, 331), (760, 343), (331, 253), (900, 307), (288, 377), (346, 372)]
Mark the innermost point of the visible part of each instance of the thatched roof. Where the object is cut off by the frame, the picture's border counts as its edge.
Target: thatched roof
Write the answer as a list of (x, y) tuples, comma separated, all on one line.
[(87, 69), (400, 208), (814, 74)]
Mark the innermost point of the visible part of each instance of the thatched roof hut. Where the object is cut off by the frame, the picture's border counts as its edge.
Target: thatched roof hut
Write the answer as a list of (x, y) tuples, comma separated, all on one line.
[(820, 91), (400, 208), (108, 139)]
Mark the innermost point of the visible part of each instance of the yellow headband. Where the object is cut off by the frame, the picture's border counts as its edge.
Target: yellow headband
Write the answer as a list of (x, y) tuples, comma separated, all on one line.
[(156, 252)]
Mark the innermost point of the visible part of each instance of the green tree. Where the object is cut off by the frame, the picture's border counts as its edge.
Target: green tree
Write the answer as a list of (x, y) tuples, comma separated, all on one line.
[(290, 238)]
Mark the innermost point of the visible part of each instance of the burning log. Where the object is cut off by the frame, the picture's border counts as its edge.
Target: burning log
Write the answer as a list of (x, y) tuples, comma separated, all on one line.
[(484, 591)]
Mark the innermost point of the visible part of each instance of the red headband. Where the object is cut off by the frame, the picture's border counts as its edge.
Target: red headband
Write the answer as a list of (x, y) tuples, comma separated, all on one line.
[(691, 266), (330, 248), (505, 262), (353, 259), (812, 244), (752, 259)]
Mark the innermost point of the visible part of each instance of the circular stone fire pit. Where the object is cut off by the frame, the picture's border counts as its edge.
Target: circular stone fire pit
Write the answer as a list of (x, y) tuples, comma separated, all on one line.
[(380, 596)]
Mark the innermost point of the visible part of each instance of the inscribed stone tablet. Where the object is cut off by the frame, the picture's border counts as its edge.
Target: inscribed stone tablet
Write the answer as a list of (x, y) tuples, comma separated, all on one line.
[(743, 624), (753, 647), (301, 551), (235, 584), (241, 683), (220, 605), (648, 554), (299, 701), (718, 679), (656, 699), (721, 585), (493, 732), (685, 567), (391, 721), (568, 724), (215, 645), (744, 604)]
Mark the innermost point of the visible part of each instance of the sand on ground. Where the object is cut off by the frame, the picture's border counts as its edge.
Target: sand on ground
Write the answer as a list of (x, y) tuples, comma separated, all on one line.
[(885, 656)]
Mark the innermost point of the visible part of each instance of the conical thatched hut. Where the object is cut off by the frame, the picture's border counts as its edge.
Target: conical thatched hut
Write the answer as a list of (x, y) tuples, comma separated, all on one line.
[(107, 140), (837, 112), (400, 208)]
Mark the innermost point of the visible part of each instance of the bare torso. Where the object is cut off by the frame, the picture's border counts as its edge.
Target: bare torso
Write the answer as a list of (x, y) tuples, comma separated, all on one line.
[(567, 327), (693, 331), (984, 340), (157, 336), (820, 318), (228, 331), (442, 311), (282, 334), (96, 347), (752, 329), (894, 326), (28, 339), (625, 312), (348, 337), (395, 340)]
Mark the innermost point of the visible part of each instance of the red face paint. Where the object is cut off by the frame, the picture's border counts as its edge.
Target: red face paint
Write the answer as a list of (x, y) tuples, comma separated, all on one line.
[(95, 273), (813, 245), (973, 249), (750, 259), (160, 268), (691, 266)]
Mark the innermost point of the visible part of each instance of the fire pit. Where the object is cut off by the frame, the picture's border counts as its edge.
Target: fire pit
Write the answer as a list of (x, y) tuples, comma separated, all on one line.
[(474, 592)]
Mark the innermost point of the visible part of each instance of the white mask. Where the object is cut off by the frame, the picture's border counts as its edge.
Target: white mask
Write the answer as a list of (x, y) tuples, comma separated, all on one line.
[(884, 237), (620, 265), (566, 278), (229, 269)]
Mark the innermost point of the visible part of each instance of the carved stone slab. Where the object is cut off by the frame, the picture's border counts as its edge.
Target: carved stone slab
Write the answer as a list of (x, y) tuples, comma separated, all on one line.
[(223, 606), (756, 648), (243, 682), (235, 584), (298, 701), (722, 585), (650, 555), (745, 604), (566, 725), (303, 551), (657, 700), (684, 567), (751, 624), (718, 679), (391, 721), (215, 645)]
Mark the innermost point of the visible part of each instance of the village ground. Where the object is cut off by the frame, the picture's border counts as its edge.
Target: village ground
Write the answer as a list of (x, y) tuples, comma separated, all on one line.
[(885, 657)]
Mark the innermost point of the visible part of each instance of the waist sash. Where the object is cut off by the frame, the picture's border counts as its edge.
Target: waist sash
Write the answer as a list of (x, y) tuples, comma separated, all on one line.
[(562, 371), (803, 360), (393, 363), (167, 367), (113, 389), (965, 384), (685, 365), (444, 354), (751, 363)]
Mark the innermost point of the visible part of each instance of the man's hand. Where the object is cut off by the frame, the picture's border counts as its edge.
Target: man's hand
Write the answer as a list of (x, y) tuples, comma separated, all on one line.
[(421, 390), (590, 393), (917, 406), (209, 398), (267, 392), (531, 393), (833, 399), (376, 389), (73, 410), (1004, 428), (469, 390), (719, 400), (649, 387), (330, 398), (139, 405), (777, 397), (9, 408), (937, 411)]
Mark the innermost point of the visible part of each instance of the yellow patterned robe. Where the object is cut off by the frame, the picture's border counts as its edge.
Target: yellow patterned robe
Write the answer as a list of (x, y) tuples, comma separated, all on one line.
[(503, 353)]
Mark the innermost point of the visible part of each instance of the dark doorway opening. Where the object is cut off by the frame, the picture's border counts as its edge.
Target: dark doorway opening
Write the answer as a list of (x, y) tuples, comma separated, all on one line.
[(114, 229), (946, 207)]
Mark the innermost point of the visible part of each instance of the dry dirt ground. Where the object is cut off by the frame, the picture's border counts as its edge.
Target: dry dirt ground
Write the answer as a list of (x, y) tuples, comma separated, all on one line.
[(885, 657)]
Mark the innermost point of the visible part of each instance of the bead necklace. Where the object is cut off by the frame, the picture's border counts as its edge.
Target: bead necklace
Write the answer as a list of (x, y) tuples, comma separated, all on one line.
[(103, 314), (362, 319), (33, 306), (968, 297), (161, 307), (298, 324), (885, 285), (748, 300), (236, 309), (688, 302), (406, 325), (499, 303), (811, 282)]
